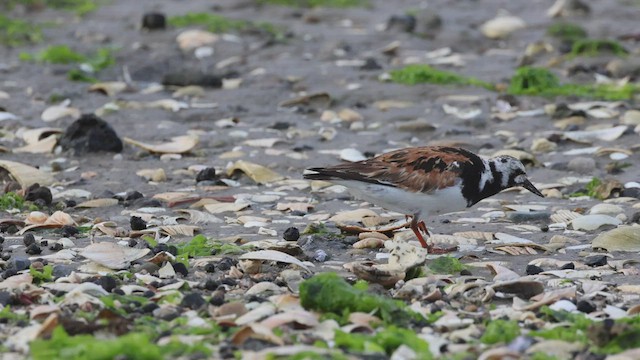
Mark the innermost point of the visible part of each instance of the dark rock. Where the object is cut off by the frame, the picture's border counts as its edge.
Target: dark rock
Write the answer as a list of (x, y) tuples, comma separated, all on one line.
[(180, 268), (281, 125), (137, 223), (320, 255), (228, 281), (33, 249), (61, 270), (465, 272), (37, 193), (132, 242), (20, 263), (217, 297), (149, 307), (90, 134), (192, 77), (1, 239), (108, 283), (173, 250), (70, 203), (148, 294), (69, 231), (6, 256), (118, 291), (291, 234), (145, 202), (533, 270), (631, 192), (586, 306), (193, 301), (132, 195), (370, 64), (28, 239), (226, 263), (568, 266), (402, 23), (210, 267), (596, 260), (56, 247), (160, 248), (9, 273), (524, 216), (5, 298), (206, 174), (211, 284), (154, 21)]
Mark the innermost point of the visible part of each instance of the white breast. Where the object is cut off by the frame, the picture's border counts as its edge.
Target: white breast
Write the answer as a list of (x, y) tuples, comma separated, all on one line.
[(439, 202)]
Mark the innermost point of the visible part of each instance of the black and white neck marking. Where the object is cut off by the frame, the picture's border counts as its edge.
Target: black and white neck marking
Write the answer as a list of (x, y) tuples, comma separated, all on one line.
[(491, 177)]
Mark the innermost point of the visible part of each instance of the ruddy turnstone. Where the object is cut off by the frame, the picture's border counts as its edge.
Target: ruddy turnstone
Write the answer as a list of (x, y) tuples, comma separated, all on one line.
[(429, 180)]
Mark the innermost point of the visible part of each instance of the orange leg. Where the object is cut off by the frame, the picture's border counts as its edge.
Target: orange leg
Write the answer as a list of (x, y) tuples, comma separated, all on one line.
[(419, 228)]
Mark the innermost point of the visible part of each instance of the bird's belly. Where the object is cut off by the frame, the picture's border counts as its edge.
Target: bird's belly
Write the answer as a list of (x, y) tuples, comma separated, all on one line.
[(438, 202)]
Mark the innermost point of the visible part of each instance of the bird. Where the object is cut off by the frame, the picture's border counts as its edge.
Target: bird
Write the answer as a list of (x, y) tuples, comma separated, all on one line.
[(425, 181)]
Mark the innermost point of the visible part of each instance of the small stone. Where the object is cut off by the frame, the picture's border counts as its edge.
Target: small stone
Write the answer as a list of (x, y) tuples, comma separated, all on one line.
[(61, 270), (180, 268), (108, 283), (206, 174), (137, 223), (533, 270), (28, 239), (69, 231), (217, 297), (631, 192), (160, 248), (5, 298), (149, 307), (320, 255), (596, 260), (148, 294), (465, 272), (1, 239), (192, 77), (582, 165), (586, 306), (90, 134), (173, 250), (39, 194), (542, 145), (33, 249), (402, 23), (154, 21), (524, 216), (370, 64), (56, 246), (9, 273), (149, 267), (6, 256), (193, 301), (226, 263), (132, 195), (291, 234), (166, 313), (281, 125), (568, 266), (132, 243), (211, 284), (210, 267)]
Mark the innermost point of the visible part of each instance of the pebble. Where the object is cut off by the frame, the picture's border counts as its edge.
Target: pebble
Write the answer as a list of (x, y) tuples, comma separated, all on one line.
[(90, 134), (226, 263), (596, 260), (69, 231), (149, 267), (206, 174), (401, 23), (20, 263), (149, 307), (320, 255), (217, 297), (291, 234), (193, 301), (180, 268), (533, 270), (61, 270), (108, 283), (210, 267), (631, 192), (137, 223), (582, 165), (585, 306), (211, 284), (568, 266), (154, 21), (39, 195), (28, 239), (524, 216), (5, 298), (9, 273)]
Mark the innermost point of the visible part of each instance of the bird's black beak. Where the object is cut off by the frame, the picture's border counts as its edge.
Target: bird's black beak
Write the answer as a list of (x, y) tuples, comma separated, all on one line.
[(529, 186)]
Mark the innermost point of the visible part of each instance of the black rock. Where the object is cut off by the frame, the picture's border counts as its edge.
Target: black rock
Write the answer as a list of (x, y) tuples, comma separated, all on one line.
[(173, 250), (145, 202), (533, 270), (595, 260), (206, 174), (118, 291), (225, 263), (192, 77), (149, 307), (28, 239), (193, 301), (5, 298), (90, 134), (1, 239), (56, 247), (132, 243), (108, 283), (635, 218), (370, 64), (149, 267), (228, 281), (137, 223), (160, 248), (281, 125), (465, 272), (586, 306), (403, 23), (6, 256), (44, 243), (211, 284), (568, 266), (70, 203), (9, 273), (69, 231), (154, 21), (20, 263), (210, 267), (33, 249), (631, 192), (180, 268), (61, 270), (37, 193), (217, 297), (132, 195), (291, 234), (148, 294)]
